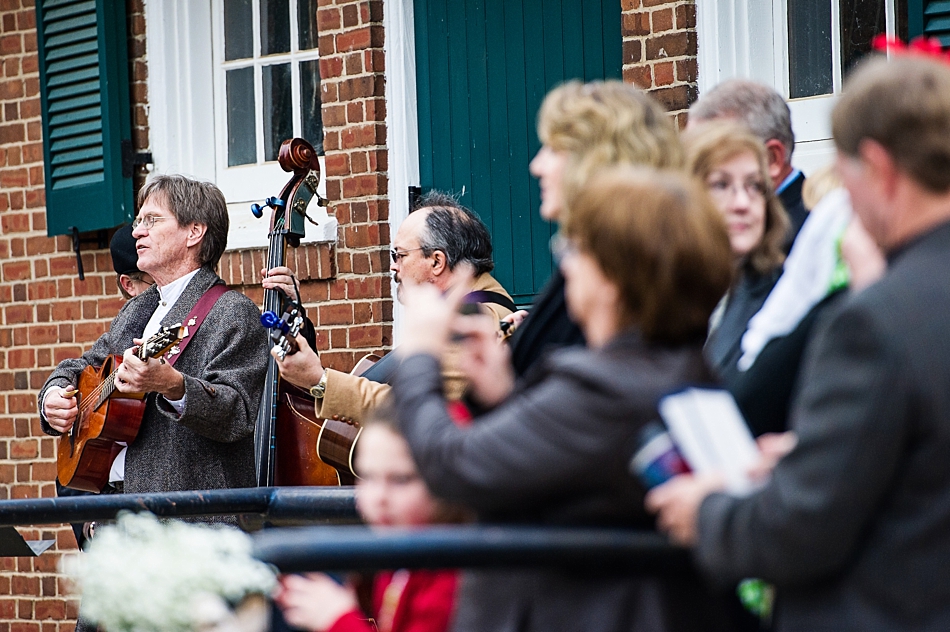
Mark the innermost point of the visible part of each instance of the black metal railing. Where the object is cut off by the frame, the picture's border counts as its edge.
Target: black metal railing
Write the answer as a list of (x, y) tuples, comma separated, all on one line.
[(341, 548), (274, 504)]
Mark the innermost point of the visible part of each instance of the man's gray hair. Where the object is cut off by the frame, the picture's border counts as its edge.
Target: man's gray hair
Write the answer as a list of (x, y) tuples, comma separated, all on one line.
[(759, 107), (193, 201), (455, 230)]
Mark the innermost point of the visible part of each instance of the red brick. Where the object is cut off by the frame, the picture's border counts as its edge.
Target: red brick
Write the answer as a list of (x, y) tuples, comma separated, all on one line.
[(329, 19), (16, 270), (635, 24), (335, 314), (50, 609), (21, 585), (662, 20), (24, 448), (351, 16), (367, 287), (18, 314), (366, 336), (329, 68), (671, 45), (663, 74), (639, 76), (15, 222), (686, 16)]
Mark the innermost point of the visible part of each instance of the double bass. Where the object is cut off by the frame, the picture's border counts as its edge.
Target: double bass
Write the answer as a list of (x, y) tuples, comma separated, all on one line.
[(292, 445)]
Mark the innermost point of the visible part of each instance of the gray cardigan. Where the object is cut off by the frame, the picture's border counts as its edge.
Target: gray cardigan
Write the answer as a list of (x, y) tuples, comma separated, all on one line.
[(854, 526), (557, 452), (211, 445)]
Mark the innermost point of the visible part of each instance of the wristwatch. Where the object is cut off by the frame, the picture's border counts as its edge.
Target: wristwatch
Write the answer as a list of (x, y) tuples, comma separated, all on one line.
[(320, 388)]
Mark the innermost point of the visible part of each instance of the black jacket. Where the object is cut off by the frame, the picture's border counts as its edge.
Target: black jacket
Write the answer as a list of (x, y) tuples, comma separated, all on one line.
[(547, 327), (854, 525)]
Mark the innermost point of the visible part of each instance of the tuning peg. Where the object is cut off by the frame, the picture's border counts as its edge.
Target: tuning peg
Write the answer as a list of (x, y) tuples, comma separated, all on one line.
[(257, 210), (274, 202), (269, 319)]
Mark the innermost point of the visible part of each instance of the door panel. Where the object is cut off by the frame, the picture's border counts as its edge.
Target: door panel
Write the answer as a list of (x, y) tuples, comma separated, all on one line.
[(482, 70)]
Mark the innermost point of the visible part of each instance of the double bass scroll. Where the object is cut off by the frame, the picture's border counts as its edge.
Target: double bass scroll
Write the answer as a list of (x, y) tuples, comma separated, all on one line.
[(289, 213)]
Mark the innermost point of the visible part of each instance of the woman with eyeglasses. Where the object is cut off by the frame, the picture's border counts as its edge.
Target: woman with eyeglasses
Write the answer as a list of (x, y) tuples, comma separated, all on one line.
[(731, 162), (645, 258)]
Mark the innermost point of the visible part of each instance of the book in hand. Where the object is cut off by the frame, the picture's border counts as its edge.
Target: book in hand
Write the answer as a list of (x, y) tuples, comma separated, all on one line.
[(711, 434)]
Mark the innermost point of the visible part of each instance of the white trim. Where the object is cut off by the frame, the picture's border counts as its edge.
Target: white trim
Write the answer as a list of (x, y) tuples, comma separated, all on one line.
[(185, 135), (749, 38), (181, 123), (402, 128)]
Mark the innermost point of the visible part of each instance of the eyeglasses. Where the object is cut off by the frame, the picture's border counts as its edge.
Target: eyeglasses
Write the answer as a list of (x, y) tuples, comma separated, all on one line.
[(146, 221), (727, 189), (399, 254), (562, 247)]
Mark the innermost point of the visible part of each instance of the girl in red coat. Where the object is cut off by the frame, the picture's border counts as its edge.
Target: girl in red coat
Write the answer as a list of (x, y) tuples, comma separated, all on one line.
[(389, 493)]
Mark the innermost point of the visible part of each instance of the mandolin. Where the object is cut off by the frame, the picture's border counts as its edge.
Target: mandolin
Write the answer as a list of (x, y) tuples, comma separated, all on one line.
[(106, 416)]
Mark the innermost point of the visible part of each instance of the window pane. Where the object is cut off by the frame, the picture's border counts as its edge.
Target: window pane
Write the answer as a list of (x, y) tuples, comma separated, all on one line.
[(242, 146), (238, 33), (278, 109), (307, 24), (809, 48), (861, 20), (310, 119), (275, 27)]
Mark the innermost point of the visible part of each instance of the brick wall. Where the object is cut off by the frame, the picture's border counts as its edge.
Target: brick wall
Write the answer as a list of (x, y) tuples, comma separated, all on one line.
[(659, 51), (49, 315)]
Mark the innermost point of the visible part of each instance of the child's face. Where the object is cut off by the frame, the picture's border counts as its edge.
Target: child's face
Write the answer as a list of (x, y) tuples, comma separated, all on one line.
[(390, 491)]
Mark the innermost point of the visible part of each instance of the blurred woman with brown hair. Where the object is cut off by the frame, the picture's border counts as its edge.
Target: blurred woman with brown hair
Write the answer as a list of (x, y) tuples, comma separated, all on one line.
[(645, 257)]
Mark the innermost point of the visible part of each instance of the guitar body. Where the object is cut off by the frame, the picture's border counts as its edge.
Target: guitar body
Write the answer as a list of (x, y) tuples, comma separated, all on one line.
[(299, 433), (310, 450), (86, 452)]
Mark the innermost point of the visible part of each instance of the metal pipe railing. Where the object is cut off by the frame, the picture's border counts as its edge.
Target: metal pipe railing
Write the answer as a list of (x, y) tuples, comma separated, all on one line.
[(342, 548), (271, 503)]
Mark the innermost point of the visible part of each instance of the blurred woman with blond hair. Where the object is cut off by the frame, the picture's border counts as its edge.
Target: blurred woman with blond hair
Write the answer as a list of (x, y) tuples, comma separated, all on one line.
[(584, 127)]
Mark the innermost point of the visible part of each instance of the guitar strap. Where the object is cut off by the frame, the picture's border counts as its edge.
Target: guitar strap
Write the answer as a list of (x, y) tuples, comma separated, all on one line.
[(195, 317)]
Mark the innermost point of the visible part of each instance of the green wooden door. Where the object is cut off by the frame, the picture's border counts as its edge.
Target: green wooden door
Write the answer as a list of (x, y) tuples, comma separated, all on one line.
[(482, 70)]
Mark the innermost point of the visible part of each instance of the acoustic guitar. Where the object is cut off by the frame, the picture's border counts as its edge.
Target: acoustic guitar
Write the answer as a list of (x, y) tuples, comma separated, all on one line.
[(305, 445), (106, 416)]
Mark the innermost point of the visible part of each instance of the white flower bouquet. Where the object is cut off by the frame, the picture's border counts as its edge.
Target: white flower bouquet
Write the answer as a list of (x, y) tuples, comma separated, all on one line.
[(143, 575)]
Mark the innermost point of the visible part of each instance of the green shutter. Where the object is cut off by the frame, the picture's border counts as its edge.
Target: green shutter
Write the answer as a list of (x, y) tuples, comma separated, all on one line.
[(84, 87), (930, 18), (482, 70)]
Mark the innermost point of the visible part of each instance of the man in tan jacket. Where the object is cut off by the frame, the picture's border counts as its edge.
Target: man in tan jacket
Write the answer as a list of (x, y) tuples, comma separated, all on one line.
[(436, 244)]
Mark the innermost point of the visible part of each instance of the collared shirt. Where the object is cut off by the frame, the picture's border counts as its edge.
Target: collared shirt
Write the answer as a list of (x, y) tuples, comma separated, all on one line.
[(787, 181), (169, 295)]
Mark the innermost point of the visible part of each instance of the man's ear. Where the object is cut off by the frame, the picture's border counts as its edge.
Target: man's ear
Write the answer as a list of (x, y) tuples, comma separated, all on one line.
[(777, 154), (126, 283), (196, 233), (440, 263), (880, 165)]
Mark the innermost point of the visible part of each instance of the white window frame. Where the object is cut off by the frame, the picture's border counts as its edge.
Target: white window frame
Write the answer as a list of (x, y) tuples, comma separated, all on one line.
[(402, 126), (749, 39), (184, 126)]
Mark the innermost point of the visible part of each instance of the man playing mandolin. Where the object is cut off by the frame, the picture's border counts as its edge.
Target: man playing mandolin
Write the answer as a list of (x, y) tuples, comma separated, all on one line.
[(198, 423), (441, 242)]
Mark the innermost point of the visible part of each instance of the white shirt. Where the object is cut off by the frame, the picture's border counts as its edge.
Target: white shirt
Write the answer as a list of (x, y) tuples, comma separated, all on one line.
[(169, 295)]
